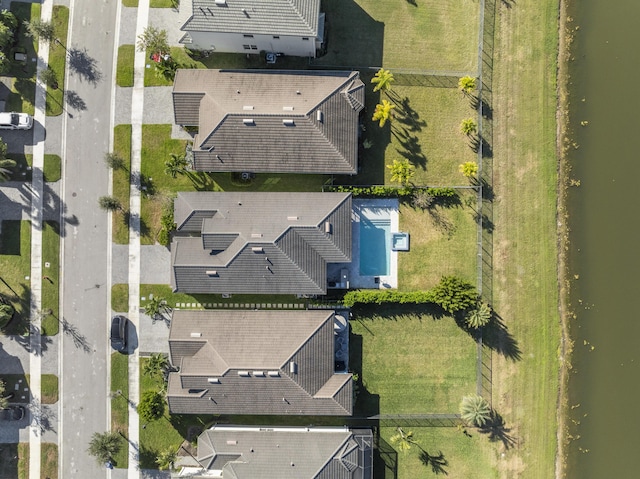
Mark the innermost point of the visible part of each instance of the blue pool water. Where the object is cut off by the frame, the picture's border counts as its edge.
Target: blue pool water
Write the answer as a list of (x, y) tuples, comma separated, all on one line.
[(375, 246)]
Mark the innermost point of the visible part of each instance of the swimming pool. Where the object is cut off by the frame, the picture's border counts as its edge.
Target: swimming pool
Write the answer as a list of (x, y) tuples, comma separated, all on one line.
[(375, 244)]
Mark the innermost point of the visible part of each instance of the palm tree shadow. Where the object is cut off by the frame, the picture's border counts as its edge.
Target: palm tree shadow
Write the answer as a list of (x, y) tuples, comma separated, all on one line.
[(497, 337), (84, 65), (496, 429), (411, 148), (438, 462)]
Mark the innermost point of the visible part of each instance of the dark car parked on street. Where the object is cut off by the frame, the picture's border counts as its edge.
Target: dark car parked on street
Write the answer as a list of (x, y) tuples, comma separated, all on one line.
[(119, 329)]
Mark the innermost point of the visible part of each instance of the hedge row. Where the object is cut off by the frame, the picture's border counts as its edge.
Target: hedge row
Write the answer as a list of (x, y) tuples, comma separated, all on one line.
[(392, 191)]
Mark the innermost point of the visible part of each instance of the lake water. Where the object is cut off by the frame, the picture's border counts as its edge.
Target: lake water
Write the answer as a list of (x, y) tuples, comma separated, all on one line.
[(605, 223)]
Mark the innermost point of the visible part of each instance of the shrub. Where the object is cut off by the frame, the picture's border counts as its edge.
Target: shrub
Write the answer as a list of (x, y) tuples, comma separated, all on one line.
[(151, 406), (167, 225), (393, 191)]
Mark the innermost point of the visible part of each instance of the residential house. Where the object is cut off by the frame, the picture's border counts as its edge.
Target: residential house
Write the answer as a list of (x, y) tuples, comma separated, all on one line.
[(290, 27), (241, 452), (266, 121), (256, 362), (258, 243)]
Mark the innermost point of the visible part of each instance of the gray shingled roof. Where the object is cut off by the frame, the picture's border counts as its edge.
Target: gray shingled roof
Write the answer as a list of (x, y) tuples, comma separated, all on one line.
[(268, 17), (239, 362), (258, 243), (286, 453), (270, 120)]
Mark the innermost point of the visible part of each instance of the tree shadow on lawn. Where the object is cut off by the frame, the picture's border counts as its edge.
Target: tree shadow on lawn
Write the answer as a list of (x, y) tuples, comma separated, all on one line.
[(366, 404), (437, 462), (494, 335), (411, 148), (496, 430), (405, 114)]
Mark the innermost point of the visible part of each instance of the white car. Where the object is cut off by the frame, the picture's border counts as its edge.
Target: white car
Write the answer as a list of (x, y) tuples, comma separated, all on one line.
[(15, 121)]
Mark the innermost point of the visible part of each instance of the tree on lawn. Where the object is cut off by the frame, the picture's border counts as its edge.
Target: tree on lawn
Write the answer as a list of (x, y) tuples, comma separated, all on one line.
[(9, 19), (403, 440), (40, 30), (109, 203), (49, 78), (467, 84), (155, 307), (6, 313), (382, 79), (468, 126), (382, 112), (401, 171), (479, 316), (166, 459), (454, 294), (114, 161), (475, 410), (104, 446), (151, 406), (153, 40), (175, 165), (6, 168), (469, 169), (156, 366)]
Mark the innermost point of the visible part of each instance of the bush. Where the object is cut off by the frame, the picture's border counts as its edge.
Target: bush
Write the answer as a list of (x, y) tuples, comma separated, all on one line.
[(151, 406), (167, 225), (394, 191)]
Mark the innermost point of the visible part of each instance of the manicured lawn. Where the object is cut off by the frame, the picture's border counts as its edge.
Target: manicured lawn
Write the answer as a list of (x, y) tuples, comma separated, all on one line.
[(121, 186), (22, 171), (415, 35), (169, 431), (130, 3), (180, 56), (57, 60), (15, 269), (443, 242), (14, 461), (49, 458), (119, 404), (120, 297), (52, 170), (49, 388), (124, 73), (163, 3), (410, 363), (50, 278)]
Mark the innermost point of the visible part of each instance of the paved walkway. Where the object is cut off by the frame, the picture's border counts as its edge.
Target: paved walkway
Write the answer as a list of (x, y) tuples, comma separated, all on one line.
[(155, 264)]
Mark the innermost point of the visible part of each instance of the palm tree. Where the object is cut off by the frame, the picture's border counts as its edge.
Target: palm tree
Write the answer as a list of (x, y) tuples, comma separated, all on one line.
[(6, 168), (103, 446), (156, 366), (155, 307), (383, 79), (469, 169), (383, 112), (475, 410), (403, 440), (468, 126), (467, 84), (166, 69), (114, 161), (479, 316), (174, 165), (166, 459), (40, 30), (109, 203), (6, 313), (401, 171), (154, 40)]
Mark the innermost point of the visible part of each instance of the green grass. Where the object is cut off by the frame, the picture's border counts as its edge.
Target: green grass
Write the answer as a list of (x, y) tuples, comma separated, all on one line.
[(14, 461), (51, 286), (119, 404), (443, 242), (130, 3), (22, 171), (57, 60), (410, 363), (52, 170), (15, 267), (180, 56), (120, 297), (167, 432), (49, 460), (162, 3), (121, 185), (124, 72), (430, 35), (49, 388)]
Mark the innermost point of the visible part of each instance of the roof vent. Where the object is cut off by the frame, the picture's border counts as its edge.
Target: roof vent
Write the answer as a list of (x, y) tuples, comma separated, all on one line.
[(293, 367), (258, 374), (232, 443), (257, 249), (319, 116), (288, 122), (256, 235), (196, 335), (244, 374), (213, 380), (212, 273), (221, 2), (248, 121), (287, 108), (246, 14), (327, 227), (273, 374), (297, 92), (247, 108), (292, 218)]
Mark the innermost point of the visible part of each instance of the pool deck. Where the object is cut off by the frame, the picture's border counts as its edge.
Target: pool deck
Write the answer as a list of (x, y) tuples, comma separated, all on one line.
[(388, 207)]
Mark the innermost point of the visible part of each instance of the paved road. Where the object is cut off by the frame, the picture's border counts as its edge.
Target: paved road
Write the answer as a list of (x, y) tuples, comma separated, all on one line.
[(84, 351)]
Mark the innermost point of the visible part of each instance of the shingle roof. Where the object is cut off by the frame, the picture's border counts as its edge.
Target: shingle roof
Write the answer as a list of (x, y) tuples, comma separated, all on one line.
[(287, 453), (259, 243), (239, 362), (270, 120), (268, 17)]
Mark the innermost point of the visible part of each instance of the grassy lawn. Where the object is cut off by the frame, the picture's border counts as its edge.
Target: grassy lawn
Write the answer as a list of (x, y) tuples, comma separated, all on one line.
[(124, 73), (119, 404), (525, 248), (120, 297), (48, 387), (121, 186), (49, 461), (24, 163), (163, 3), (52, 170), (415, 35), (169, 431), (410, 363), (15, 268), (14, 461), (130, 3), (443, 242), (57, 60), (51, 286)]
